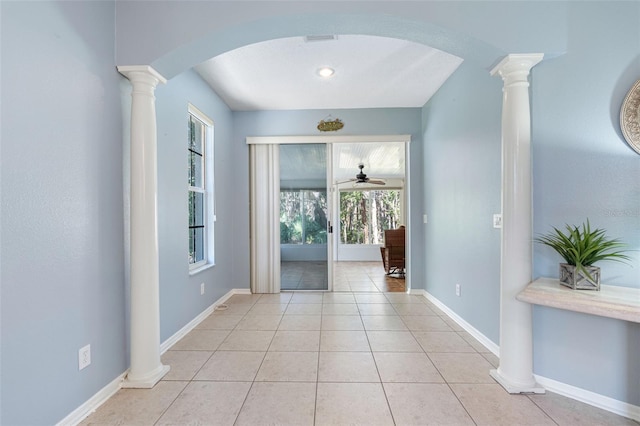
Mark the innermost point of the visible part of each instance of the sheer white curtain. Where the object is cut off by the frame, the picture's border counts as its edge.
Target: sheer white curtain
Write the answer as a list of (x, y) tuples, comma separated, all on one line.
[(265, 218)]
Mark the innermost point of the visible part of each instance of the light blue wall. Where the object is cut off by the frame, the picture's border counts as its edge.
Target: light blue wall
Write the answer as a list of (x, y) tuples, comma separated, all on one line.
[(62, 208), (462, 192), (174, 36), (63, 267), (180, 299), (582, 166), (583, 169), (357, 122)]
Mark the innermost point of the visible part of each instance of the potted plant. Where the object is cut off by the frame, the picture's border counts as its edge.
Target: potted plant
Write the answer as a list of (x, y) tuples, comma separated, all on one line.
[(581, 247)]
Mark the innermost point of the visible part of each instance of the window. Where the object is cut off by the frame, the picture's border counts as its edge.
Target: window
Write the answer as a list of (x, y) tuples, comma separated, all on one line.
[(303, 218), (200, 181), (364, 215)]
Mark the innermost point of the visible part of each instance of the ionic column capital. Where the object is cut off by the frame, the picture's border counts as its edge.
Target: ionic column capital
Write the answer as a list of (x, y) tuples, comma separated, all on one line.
[(141, 73), (514, 68)]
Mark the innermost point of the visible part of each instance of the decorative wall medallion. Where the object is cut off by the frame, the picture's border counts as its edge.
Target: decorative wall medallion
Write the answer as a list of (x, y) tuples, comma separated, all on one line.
[(630, 117), (328, 125)]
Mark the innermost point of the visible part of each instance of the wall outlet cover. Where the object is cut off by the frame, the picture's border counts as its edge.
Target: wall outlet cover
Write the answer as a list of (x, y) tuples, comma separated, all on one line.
[(84, 357)]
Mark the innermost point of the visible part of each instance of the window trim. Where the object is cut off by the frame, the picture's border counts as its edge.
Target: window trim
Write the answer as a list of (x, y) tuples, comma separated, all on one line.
[(207, 190)]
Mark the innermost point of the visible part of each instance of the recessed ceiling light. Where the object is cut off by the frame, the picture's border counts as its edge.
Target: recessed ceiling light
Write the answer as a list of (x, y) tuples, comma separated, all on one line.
[(325, 72)]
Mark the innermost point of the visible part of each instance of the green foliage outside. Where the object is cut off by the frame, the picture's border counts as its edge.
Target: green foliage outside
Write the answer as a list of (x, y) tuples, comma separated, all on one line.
[(364, 215), (303, 217)]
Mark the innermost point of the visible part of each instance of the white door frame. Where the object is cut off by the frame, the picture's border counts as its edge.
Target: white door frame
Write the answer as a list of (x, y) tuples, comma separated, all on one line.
[(333, 139)]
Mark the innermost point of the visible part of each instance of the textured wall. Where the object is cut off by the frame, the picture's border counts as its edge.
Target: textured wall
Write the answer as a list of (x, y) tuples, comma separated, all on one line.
[(63, 263), (582, 168), (62, 208)]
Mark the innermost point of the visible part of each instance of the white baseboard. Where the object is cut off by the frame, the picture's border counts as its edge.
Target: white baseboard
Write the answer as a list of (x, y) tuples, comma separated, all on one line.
[(484, 340), (606, 403), (167, 344), (92, 404), (613, 405)]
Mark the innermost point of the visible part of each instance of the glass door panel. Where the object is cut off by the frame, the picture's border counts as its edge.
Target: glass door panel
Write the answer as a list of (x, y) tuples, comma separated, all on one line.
[(304, 206)]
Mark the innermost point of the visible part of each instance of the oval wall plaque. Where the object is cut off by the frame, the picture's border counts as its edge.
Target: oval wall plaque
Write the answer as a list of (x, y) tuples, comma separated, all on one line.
[(630, 117)]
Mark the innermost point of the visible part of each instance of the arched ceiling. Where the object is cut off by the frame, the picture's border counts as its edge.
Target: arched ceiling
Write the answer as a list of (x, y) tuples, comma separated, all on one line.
[(370, 72), (173, 36)]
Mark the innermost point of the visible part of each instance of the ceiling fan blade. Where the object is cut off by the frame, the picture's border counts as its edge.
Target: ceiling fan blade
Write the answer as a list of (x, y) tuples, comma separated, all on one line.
[(377, 182), (344, 181)]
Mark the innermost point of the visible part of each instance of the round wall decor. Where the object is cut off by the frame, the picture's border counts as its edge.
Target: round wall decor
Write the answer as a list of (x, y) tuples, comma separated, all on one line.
[(630, 117)]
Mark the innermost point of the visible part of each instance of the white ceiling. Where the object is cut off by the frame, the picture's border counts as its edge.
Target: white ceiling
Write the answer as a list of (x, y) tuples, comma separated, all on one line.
[(308, 161), (381, 161), (370, 72)]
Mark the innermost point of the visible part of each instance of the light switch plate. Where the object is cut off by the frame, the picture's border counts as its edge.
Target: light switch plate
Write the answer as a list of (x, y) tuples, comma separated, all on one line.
[(497, 220)]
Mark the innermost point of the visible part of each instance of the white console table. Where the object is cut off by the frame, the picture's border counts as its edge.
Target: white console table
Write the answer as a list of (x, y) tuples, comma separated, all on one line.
[(621, 303)]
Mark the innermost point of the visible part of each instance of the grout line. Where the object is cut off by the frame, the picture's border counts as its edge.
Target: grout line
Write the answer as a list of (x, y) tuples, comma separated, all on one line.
[(323, 317), (460, 402), (541, 409), (172, 402)]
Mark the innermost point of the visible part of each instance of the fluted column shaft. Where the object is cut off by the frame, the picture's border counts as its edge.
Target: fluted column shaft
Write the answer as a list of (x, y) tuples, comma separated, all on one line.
[(146, 369), (515, 372)]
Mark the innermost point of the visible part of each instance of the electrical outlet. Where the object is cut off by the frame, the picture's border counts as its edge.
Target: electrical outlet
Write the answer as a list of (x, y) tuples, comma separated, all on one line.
[(497, 220), (202, 289), (84, 357), (457, 289)]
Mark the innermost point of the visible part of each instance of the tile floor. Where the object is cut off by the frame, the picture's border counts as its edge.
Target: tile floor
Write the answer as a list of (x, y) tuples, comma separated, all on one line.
[(335, 359), (303, 275), (347, 276)]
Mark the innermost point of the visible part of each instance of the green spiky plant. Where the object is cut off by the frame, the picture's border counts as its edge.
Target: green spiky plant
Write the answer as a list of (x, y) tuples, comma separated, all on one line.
[(582, 247)]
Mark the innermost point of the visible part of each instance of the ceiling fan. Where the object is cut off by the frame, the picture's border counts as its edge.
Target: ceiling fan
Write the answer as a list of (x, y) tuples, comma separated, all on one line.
[(362, 178)]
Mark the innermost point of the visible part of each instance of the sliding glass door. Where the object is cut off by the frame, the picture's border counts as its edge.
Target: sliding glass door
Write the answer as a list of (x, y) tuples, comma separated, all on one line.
[(304, 209)]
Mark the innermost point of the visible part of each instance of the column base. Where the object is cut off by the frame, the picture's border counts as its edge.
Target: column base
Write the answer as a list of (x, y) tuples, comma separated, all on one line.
[(511, 387), (148, 381)]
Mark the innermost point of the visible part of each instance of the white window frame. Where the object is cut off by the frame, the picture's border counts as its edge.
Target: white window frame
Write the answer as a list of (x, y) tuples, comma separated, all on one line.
[(207, 190)]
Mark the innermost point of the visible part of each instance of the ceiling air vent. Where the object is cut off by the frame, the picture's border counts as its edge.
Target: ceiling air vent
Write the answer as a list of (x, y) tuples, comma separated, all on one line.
[(321, 37)]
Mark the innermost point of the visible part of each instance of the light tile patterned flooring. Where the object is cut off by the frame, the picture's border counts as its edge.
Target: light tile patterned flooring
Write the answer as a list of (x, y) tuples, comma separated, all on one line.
[(347, 276), (303, 275), (335, 359)]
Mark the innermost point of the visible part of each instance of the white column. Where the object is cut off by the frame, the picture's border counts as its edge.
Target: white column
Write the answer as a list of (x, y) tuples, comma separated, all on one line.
[(515, 372), (146, 369)]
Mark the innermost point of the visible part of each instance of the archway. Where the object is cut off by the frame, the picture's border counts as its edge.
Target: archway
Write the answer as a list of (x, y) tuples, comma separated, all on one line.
[(219, 41)]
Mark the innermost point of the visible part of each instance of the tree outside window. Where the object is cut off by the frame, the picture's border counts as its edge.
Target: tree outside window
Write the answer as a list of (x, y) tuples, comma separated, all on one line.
[(303, 218), (365, 215)]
